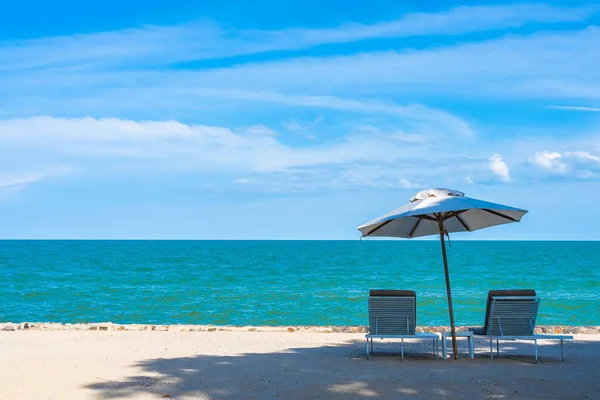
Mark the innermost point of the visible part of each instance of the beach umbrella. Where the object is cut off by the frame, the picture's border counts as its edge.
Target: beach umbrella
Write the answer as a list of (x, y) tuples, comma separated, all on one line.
[(439, 212)]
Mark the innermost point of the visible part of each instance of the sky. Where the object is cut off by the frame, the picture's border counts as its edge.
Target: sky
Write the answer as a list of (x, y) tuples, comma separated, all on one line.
[(294, 120)]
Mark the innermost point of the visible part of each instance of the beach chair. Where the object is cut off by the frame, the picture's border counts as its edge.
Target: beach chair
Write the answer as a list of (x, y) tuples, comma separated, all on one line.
[(512, 315), (393, 315)]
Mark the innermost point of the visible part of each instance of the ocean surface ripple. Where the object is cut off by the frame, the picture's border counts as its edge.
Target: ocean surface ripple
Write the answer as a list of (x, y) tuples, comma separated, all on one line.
[(286, 282)]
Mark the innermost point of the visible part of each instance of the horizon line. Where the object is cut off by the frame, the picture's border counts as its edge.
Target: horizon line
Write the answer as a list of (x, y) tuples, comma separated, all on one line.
[(291, 240)]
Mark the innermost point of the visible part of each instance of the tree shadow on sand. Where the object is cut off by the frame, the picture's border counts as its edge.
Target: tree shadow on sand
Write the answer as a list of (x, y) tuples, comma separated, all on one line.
[(343, 372)]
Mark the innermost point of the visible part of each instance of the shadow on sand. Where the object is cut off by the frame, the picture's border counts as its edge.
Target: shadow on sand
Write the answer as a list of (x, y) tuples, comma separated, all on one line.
[(343, 372)]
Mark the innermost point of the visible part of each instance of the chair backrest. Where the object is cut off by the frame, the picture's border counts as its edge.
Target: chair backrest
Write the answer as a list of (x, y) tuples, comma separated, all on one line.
[(503, 293), (512, 316), (392, 312)]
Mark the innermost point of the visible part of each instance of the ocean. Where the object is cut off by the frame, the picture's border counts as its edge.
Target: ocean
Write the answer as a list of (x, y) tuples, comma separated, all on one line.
[(286, 282)]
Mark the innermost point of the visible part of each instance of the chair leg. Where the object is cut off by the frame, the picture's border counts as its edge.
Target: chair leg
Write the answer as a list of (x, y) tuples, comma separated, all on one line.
[(444, 351), (371, 345), (562, 356), (536, 350), (497, 348), (367, 348), (470, 342), (491, 350), (402, 349)]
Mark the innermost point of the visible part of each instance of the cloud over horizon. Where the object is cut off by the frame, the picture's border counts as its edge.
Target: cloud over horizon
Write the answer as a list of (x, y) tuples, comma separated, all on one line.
[(258, 154)]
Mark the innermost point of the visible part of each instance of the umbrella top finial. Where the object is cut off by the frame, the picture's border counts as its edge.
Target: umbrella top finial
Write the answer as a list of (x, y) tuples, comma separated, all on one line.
[(437, 192)]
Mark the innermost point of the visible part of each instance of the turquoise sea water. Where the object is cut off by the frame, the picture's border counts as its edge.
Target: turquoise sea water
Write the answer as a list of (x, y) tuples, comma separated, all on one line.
[(286, 282)]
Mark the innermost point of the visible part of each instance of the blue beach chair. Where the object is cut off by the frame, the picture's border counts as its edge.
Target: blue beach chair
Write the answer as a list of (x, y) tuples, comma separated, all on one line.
[(393, 315), (512, 315)]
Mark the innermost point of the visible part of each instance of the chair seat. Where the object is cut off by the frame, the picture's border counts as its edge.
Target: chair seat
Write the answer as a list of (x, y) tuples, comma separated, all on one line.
[(417, 335)]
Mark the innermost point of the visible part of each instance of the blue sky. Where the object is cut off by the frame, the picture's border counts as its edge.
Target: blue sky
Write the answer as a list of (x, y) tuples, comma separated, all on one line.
[(294, 120)]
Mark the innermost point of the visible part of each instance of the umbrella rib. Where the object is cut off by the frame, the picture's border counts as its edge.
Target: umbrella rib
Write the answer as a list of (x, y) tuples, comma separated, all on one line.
[(415, 227), (462, 223), (380, 226), (452, 214), (500, 215)]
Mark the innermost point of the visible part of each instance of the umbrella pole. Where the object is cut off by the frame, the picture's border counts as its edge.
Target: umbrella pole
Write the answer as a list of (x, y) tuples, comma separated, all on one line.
[(450, 310)]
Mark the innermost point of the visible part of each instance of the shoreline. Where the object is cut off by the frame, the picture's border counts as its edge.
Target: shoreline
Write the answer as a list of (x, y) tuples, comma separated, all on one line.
[(109, 326)]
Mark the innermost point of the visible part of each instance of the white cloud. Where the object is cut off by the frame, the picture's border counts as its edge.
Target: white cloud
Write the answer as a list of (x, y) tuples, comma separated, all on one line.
[(152, 45), (394, 133), (199, 146), (420, 119), (19, 179), (245, 156), (342, 177), (22, 179), (583, 164), (576, 108), (416, 112), (299, 125), (543, 65), (584, 156), (551, 161), (292, 125), (259, 130), (117, 73), (499, 167), (256, 159), (575, 164), (406, 184)]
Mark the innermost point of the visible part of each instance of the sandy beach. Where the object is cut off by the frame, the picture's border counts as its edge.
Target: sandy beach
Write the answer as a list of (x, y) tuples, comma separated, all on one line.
[(286, 365)]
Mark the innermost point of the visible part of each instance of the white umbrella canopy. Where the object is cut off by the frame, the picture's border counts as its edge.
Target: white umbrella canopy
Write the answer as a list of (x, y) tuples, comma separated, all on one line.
[(438, 212), (460, 214)]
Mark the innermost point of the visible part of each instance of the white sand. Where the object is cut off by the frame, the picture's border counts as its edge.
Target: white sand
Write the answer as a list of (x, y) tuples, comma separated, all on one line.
[(266, 365)]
